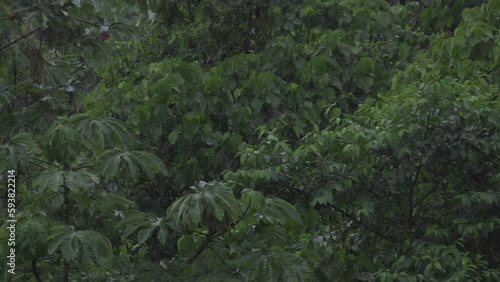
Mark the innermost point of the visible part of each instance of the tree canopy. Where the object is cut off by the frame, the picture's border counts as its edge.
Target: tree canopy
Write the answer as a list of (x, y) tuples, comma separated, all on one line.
[(238, 140)]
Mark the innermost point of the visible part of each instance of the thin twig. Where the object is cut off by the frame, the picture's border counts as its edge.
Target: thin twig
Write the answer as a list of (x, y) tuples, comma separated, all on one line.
[(217, 255), (84, 21)]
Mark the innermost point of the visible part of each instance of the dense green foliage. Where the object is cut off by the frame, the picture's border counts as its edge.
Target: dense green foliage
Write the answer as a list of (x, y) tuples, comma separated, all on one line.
[(237, 140)]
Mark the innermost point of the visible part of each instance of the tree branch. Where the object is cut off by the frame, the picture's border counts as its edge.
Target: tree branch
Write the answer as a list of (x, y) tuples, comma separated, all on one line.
[(86, 22), (201, 249), (35, 272), (210, 237), (19, 39), (217, 255), (411, 193)]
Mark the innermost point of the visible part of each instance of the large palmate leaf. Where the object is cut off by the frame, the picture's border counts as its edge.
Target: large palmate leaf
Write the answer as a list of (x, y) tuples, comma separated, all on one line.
[(62, 143), (209, 202), (277, 210), (86, 246), (34, 229), (17, 152), (145, 224), (80, 179), (130, 163), (104, 133), (57, 178), (187, 211)]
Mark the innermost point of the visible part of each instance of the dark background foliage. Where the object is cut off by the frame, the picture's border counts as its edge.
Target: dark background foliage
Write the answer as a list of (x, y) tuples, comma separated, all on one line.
[(251, 140)]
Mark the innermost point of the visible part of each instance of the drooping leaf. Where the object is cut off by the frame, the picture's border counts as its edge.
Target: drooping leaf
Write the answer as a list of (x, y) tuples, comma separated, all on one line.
[(102, 134), (80, 180), (55, 179), (209, 200), (49, 179), (34, 228), (186, 246), (130, 163), (132, 223), (88, 245), (18, 152), (62, 143), (252, 200), (145, 224), (186, 211), (280, 211), (59, 234)]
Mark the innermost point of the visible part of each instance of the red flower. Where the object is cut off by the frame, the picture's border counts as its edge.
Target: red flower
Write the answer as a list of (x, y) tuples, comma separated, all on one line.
[(104, 36)]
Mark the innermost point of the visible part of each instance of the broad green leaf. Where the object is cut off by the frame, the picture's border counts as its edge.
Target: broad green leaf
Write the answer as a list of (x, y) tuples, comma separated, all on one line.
[(366, 65), (163, 233), (186, 246), (50, 179), (80, 180), (279, 210), (145, 233), (252, 200), (172, 137), (59, 233)]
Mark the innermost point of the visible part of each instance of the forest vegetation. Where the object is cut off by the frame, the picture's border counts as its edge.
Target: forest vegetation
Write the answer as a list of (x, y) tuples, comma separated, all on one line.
[(250, 140)]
